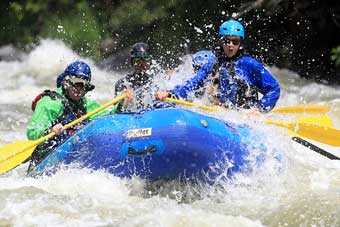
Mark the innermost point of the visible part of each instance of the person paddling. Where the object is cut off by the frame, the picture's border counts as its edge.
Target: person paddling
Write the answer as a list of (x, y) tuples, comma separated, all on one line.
[(54, 109), (240, 78), (199, 59), (140, 85)]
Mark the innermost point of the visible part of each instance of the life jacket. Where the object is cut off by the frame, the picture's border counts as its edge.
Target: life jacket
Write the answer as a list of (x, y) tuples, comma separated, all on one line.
[(69, 114), (142, 86), (52, 94), (246, 95)]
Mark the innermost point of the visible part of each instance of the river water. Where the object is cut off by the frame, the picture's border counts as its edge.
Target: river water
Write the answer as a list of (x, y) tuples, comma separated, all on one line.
[(306, 192)]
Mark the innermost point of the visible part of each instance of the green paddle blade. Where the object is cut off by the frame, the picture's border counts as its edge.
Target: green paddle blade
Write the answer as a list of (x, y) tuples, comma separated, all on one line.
[(12, 155)]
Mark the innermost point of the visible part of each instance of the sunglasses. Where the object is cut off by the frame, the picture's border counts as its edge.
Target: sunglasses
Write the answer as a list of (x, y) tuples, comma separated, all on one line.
[(233, 41), (78, 85), (143, 58)]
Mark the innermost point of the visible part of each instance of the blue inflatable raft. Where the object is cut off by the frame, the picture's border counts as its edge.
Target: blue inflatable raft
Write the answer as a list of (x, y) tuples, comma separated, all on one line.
[(160, 144)]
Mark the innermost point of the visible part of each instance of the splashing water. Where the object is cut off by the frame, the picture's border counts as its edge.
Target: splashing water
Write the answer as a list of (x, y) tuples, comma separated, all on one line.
[(306, 192)]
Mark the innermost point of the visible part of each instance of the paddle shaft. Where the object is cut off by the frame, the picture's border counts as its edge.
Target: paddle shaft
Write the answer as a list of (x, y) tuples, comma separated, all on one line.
[(311, 109), (186, 103), (315, 148), (106, 105), (50, 135)]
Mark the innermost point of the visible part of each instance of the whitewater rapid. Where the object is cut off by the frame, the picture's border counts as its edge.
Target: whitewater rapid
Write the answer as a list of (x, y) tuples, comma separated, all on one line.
[(305, 193)]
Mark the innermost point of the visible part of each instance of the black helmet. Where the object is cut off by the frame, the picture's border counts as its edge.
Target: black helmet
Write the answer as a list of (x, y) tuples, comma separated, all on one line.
[(139, 50)]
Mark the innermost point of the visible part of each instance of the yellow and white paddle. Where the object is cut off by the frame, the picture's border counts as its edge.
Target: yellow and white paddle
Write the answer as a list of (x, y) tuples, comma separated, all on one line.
[(12, 155), (304, 109), (314, 131), (317, 129)]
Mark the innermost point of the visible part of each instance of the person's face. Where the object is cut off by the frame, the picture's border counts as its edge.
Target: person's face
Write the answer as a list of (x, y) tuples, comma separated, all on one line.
[(141, 64), (75, 90), (231, 44)]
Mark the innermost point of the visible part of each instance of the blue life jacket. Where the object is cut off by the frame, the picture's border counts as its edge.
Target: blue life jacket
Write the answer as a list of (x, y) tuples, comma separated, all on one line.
[(240, 80)]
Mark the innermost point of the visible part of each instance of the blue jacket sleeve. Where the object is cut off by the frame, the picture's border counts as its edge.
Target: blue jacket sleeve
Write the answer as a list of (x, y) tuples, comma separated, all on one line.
[(267, 85), (195, 82)]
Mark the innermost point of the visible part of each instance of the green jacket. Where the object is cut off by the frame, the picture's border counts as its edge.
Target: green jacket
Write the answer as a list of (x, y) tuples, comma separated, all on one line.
[(48, 110)]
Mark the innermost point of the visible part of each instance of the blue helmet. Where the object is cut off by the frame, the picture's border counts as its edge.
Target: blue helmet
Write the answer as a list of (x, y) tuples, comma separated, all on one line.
[(232, 27), (77, 69), (202, 57)]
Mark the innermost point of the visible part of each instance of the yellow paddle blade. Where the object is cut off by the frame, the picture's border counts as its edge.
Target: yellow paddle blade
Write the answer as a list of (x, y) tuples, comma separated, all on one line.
[(316, 120), (320, 133), (310, 109), (12, 155), (186, 103)]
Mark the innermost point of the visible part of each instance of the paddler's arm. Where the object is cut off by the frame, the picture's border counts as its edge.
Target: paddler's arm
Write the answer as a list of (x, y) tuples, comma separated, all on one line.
[(120, 89), (162, 95), (267, 85)]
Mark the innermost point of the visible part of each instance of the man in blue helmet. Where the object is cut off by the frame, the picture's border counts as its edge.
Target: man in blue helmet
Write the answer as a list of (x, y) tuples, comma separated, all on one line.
[(199, 59), (241, 77), (203, 82), (54, 109)]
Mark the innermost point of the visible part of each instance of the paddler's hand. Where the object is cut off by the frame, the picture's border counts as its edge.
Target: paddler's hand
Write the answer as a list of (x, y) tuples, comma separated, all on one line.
[(252, 112), (161, 95), (216, 102), (213, 95), (170, 72), (57, 129), (129, 95), (213, 89)]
